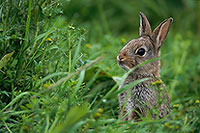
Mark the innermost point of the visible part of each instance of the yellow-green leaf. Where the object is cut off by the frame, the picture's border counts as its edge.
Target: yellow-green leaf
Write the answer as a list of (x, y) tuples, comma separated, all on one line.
[(5, 59)]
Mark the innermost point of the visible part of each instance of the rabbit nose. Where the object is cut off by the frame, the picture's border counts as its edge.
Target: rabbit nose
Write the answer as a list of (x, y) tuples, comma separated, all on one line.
[(121, 57)]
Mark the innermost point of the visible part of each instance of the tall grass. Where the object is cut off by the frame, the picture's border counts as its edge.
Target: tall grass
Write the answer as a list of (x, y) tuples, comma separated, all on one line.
[(53, 77)]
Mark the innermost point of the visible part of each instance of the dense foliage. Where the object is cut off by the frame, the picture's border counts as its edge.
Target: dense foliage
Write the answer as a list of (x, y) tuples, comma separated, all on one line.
[(58, 60)]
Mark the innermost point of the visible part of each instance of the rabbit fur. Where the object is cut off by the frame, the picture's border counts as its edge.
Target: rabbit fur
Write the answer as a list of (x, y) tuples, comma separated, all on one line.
[(143, 97)]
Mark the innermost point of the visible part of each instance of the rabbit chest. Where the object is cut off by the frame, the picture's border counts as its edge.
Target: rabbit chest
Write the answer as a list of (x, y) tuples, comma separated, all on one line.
[(140, 96)]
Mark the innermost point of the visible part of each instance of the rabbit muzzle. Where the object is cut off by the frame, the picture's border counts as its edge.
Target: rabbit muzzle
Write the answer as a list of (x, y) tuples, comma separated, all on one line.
[(124, 61)]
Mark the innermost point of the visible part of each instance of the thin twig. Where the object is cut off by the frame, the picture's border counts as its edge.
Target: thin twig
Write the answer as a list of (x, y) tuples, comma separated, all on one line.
[(75, 73), (7, 127)]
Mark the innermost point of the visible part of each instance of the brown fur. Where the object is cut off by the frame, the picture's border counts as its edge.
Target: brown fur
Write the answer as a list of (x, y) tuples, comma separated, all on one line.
[(144, 96)]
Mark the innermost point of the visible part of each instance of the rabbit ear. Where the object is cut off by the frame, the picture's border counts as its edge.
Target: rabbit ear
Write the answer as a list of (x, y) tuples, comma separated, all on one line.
[(145, 28), (160, 33)]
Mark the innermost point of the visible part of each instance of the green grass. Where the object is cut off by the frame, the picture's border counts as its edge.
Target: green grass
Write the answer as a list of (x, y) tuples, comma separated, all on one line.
[(58, 60)]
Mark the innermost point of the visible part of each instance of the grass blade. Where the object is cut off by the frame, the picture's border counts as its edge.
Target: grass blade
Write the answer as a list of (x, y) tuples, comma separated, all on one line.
[(15, 99)]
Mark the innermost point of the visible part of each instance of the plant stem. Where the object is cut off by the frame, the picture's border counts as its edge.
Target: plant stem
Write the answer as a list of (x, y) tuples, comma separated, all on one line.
[(47, 124), (7, 127), (70, 60), (53, 125)]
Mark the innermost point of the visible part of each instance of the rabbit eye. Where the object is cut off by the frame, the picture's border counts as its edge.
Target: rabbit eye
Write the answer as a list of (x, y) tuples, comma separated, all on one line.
[(141, 52)]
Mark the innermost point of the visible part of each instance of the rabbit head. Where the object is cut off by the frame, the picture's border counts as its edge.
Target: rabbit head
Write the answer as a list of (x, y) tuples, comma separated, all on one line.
[(145, 47)]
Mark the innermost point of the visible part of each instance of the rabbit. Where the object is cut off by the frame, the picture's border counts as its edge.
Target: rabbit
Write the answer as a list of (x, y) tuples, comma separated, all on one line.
[(137, 102)]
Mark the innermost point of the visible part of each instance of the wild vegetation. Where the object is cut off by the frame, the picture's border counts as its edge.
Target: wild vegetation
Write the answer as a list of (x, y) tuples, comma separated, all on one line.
[(58, 64)]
